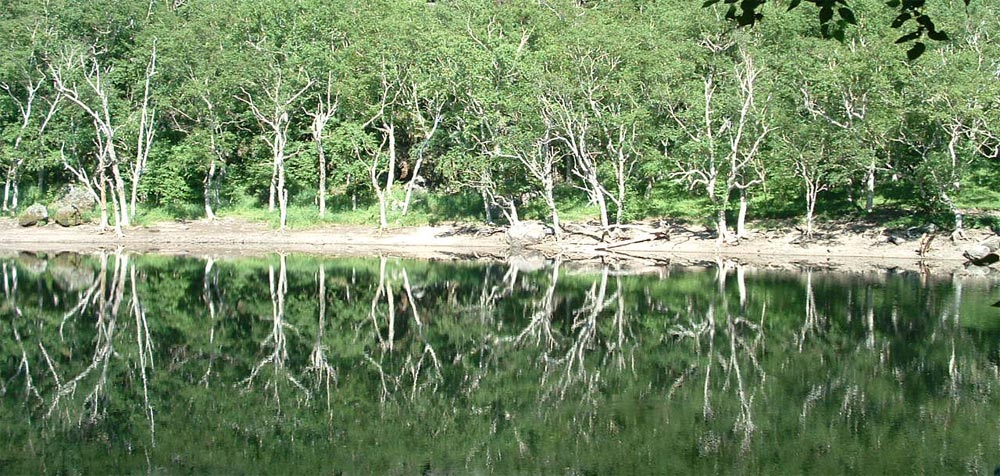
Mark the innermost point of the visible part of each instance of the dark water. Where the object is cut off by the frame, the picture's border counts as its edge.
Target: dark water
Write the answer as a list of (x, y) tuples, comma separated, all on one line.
[(293, 365)]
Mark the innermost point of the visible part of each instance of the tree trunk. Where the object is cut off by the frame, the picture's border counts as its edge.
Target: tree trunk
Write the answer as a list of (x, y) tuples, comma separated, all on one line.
[(870, 185), (322, 179), (810, 208), (720, 224), (209, 179), (386, 194), (273, 188), (420, 160), (282, 192), (104, 203), (487, 206), (15, 192), (6, 192), (120, 201), (602, 204), (551, 202), (741, 218), (283, 201)]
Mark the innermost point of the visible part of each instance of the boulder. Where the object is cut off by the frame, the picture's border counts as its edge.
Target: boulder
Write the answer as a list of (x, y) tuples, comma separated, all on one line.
[(33, 215), (32, 263), (71, 272), (985, 252), (70, 209), (527, 233), (68, 216)]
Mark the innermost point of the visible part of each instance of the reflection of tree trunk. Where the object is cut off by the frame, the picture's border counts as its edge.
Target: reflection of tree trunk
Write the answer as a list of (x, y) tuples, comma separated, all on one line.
[(811, 319), (210, 293), (585, 325), (540, 324), (706, 410), (428, 350), (144, 344), (323, 372), (744, 422), (741, 284), (10, 294), (278, 356), (382, 289), (870, 316), (108, 304)]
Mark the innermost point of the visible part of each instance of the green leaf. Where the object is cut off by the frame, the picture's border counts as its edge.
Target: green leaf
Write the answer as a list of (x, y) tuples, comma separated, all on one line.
[(938, 35), (847, 15), (825, 14), (908, 37), (915, 52), (838, 34), (899, 20), (709, 3), (793, 4)]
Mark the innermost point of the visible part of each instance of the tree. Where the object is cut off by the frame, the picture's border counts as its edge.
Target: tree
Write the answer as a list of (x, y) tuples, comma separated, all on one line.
[(748, 12), (272, 113), (723, 136)]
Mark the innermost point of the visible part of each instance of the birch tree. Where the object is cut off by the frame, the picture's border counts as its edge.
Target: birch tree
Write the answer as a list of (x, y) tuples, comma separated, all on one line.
[(326, 108), (95, 100), (26, 94), (271, 109), (724, 136)]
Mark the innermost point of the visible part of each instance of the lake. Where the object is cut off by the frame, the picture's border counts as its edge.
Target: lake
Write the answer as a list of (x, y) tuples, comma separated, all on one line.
[(116, 363)]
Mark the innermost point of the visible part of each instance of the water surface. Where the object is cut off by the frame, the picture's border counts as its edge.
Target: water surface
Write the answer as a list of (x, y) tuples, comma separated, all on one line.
[(296, 365)]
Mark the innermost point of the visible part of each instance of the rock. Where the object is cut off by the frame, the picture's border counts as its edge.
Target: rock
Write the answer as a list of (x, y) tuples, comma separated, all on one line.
[(68, 216), (527, 262), (32, 263), (70, 209), (527, 233), (71, 272), (33, 215), (984, 253)]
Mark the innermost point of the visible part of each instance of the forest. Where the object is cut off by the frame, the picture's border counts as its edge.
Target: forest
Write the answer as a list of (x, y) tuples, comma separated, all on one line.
[(392, 113)]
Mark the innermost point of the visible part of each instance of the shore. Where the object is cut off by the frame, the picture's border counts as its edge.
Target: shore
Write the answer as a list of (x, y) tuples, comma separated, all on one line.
[(835, 247)]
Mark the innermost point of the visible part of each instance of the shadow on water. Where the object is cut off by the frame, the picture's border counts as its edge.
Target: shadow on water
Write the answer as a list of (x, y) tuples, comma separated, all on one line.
[(288, 364)]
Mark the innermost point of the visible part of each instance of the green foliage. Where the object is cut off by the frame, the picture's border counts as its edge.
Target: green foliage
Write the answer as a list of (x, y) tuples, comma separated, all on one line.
[(458, 368), (479, 91)]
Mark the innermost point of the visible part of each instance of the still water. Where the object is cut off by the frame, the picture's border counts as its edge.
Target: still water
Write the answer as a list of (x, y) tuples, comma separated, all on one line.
[(296, 365)]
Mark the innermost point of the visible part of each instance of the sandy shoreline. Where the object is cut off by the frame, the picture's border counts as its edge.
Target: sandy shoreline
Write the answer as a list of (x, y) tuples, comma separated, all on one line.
[(838, 247)]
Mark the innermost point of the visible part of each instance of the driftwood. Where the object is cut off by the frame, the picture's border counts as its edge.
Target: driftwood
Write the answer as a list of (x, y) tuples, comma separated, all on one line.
[(657, 235), (925, 244), (580, 230)]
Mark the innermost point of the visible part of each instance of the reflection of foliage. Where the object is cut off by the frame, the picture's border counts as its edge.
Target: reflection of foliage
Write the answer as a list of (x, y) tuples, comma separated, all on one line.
[(380, 365)]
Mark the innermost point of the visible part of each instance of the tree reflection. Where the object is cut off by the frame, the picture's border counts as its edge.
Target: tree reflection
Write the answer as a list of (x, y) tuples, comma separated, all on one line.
[(504, 367)]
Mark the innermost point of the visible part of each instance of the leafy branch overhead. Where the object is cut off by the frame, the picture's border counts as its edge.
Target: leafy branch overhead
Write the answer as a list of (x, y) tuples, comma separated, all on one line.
[(747, 13)]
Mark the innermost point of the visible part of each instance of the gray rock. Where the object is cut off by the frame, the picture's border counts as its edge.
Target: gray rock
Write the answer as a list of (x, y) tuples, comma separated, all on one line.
[(71, 272), (70, 209), (985, 252), (33, 215), (32, 263), (527, 261), (68, 216), (527, 233)]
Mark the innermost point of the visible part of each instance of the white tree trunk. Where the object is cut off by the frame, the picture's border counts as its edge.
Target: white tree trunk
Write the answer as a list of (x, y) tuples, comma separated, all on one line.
[(741, 218), (720, 224), (322, 180), (209, 184), (870, 186)]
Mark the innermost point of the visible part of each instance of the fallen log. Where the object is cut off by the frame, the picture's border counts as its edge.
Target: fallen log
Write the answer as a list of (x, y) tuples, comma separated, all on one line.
[(659, 235)]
